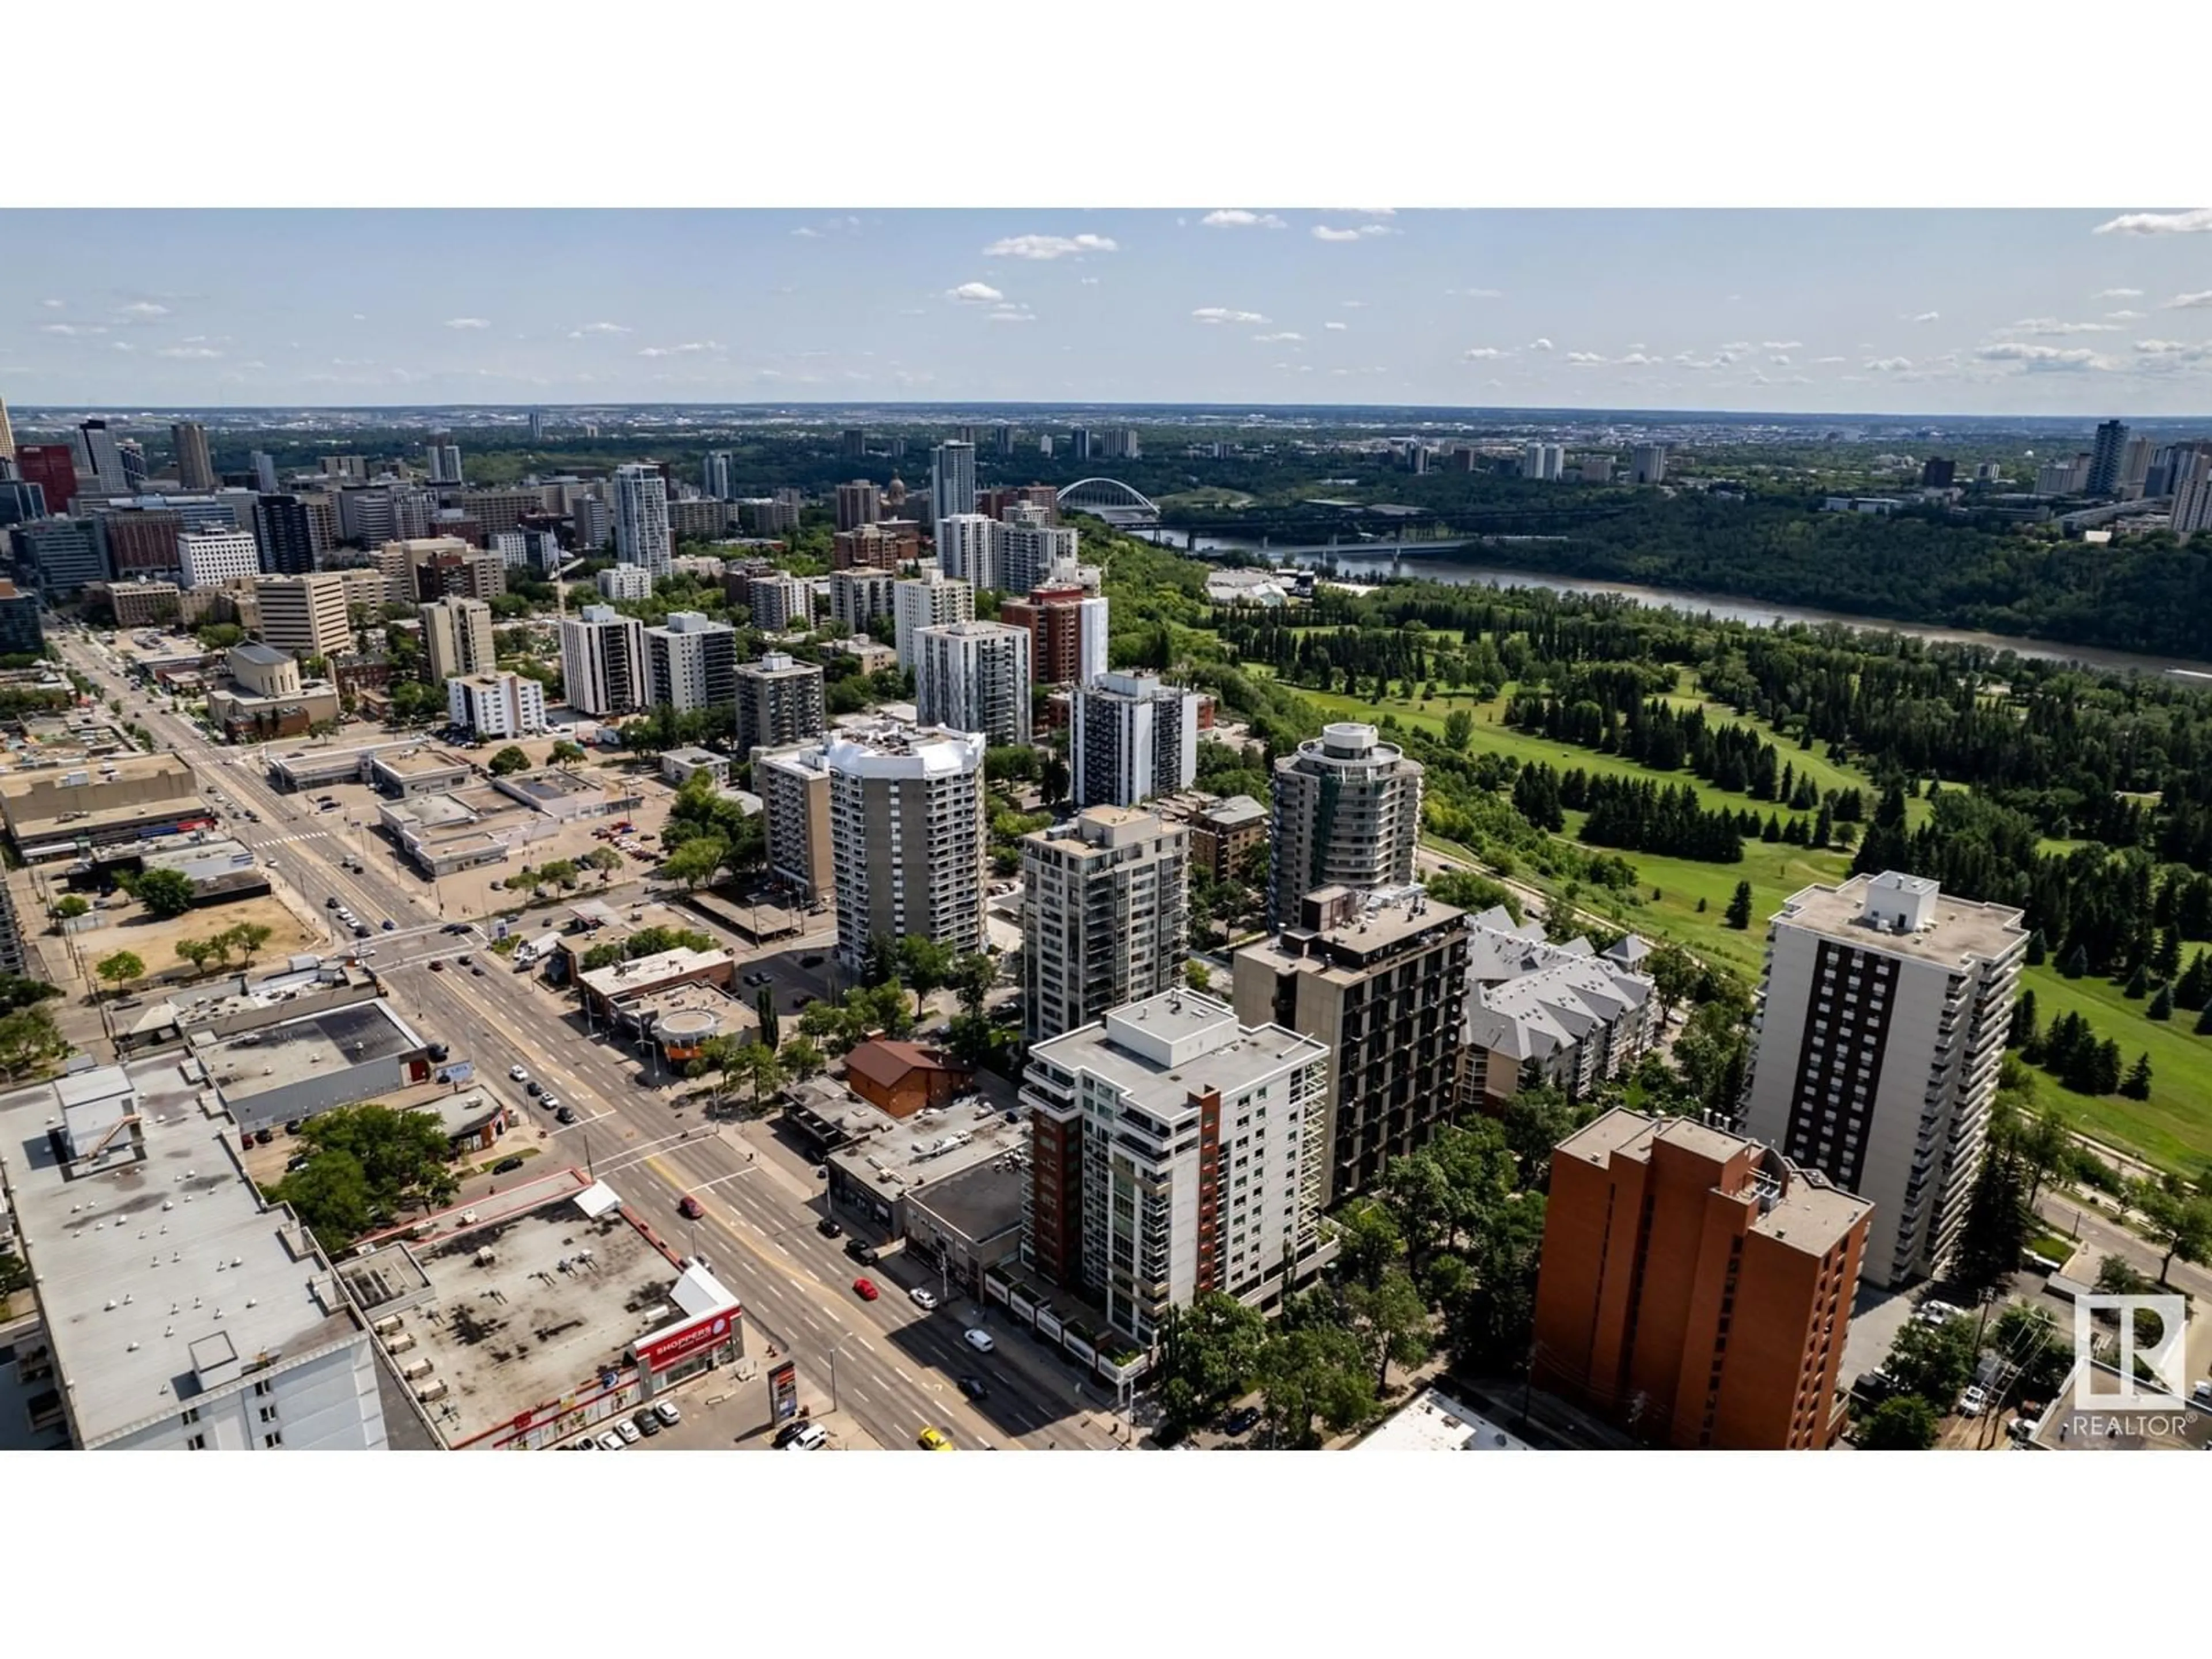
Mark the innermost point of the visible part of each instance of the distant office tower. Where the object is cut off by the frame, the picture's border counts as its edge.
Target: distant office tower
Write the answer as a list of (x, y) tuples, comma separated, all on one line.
[(2106, 457), (134, 471), (1649, 463), (640, 511), (2135, 465), (968, 549), (594, 522), (1417, 458), (716, 477), (974, 677), (781, 603), (306, 616), (457, 638), (142, 541), (603, 662), (21, 635), (1078, 443), (1544, 461), (692, 662), (779, 702), (60, 556), (1044, 445), (1002, 442), (98, 454), (1138, 1124), (21, 502), (864, 599), (1030, 547), (1104, 916), (1131, 738), (53, 467), (1122, 445), (195, 469), (1938, 473), (1883, 1015), (2191, 488), (370, 517), (1663, 1239), (952, 481), (1378, 979), (1347, 812), (853, 443), (1067, 626), (908, 837), (496, 705), (7, 434), (858, 503), (793, 786), (286, 534), (537, 426), (264, 472), (929, 600), (445, 566), (445, 459), (213, 557)]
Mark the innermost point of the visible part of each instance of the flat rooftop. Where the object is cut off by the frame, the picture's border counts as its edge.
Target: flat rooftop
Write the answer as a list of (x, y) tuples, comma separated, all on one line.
[(984, 1201), (931, 1147), (1963, 930), (525, 1303), (418, 763), (138, 1264), (330, 1039), (618, 979), (2077, 1421), (1209, 1050), (1433, 1421)]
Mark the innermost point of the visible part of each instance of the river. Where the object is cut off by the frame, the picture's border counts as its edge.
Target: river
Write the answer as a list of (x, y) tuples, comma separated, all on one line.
[(1355, 566)]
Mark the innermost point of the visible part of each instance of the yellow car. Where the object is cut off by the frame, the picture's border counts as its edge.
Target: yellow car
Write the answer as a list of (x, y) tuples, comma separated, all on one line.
[(934, 1440)]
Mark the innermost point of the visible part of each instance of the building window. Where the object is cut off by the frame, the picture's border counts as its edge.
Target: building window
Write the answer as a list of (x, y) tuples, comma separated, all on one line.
[(191, 1416), (273, 1439), (198, 1443)]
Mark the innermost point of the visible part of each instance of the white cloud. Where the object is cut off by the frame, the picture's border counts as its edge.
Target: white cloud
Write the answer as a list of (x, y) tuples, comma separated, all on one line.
[(2157, 224), (690, 347), (1325, 234), (188, 351), (72, 330), (144, 309), (2125, 316), (974, 294), (121, 345), (1923, 317), (1892, 365), (467, 322), (2043, 357), (1828, 360), (1638, 360), (1539, 344), (1742, 345), (1224, 314), (1780, 359), (1336, 328), (598, 328), (1370, 213), (1477, 293), (2189, 302), (1584, 359), (1088, 282), (1483, 354), (2169, 354), (1047, 247), (2051, 326), (1780, 345), (1265, 339), (2117, 293), (1234, 218), (52, 305), (1013, 313)]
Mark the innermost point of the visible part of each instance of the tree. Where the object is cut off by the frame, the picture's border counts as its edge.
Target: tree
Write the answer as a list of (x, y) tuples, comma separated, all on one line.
[(1738, 913), (1418, 1194), (1368, 1244), (509, 760), (696, 861), (2137, 1084), (330, 1193), (1391, 1321), (1934, 1361), (925, 964), (771, 1027), (1209, 1353), (164, 893), (28, 1037), (561, 872), (800, 1058), (2203, 1026), (2117, 1276), (1197, 975), (1492, 1322), (2180, 1222), (197, 951), (1458, 728), (2038, 949), (362, 1161), (567, 752), (1998, 1224), (1536, 1120), (1906, 1423), (2138, 986), (248, 937), (1676, 975), (71, 906), (2077, 963), (2044, 1145), (1311, 1371), (606, 860), (974, 973), (758, 1064), (120, 969)]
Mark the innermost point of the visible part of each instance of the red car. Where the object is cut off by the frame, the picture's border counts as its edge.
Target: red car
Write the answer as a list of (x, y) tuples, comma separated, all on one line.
[(690, 1209), (864, 1289)]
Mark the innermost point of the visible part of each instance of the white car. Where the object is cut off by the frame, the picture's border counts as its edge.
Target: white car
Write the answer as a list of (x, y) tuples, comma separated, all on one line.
[(518, 1074), (612, 1442), (925, 1300), (979, 1341), (629, 1431), (1974, 1402), (666, 1412), (812, 1438)]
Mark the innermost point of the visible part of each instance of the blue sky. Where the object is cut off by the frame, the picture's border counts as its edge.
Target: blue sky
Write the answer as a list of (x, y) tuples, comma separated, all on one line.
[(2042, 312)]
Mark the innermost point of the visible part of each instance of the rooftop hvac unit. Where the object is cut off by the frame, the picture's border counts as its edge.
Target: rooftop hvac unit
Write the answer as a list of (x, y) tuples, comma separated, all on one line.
[(388, 1325), (401, 1343), (415, 1370), (435, 1390)]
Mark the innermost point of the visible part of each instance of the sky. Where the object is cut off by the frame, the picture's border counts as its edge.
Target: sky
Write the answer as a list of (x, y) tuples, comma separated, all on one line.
[(1929, 311)]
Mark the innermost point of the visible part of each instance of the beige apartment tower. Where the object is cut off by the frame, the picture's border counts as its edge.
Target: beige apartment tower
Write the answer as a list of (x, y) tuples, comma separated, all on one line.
[(1347, 814), (1104, 915), (306, 616), (457, 639), (793, 785), (908, 837)]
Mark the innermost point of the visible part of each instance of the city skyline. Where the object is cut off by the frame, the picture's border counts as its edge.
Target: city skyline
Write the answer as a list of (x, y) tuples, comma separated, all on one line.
[(1985, 312)]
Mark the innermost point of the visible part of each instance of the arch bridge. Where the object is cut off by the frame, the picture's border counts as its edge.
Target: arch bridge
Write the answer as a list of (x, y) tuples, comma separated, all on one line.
[(1111, 500)]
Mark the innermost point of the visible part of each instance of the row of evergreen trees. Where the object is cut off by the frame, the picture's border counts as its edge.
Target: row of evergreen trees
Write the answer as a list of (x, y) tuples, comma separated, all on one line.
[(2071, 1051)]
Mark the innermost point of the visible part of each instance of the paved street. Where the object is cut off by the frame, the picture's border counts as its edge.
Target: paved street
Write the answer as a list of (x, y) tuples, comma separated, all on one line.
[(895, 1369)]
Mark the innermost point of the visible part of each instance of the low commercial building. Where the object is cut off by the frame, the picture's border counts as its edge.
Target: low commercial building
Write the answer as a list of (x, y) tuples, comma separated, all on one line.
[(266, 697), (51, 814), (1433, 1421), (678, 764), (220, 869), (564, 796), (600, 1315), (1563, 1014), (970, 1222), (401, 774), (901, 1078), (176, 1310), (679, 1018), (878, 1164), (460, 829), (604, 989), (320, 765), (1729, 1238), (296, 1068)]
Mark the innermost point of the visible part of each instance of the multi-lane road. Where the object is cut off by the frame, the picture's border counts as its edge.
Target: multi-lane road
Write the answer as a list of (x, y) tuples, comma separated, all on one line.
[(895, 1368)]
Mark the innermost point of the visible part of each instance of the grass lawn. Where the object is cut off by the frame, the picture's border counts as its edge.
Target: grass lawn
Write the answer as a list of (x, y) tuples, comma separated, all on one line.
[(2173, 1127)]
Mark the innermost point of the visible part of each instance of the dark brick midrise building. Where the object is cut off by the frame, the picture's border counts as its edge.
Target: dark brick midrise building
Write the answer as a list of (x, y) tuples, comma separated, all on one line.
[(1696, 1288)]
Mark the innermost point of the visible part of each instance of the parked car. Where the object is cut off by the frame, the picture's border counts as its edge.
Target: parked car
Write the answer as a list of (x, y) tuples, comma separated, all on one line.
[(611, 1442), (507, 1166), (827, 1227), (465, 959), (550, 1105), (1240, 1421), (263, 1137), (810, 961), (861, 1251), (359, 931), (330, 904), (517, 1074), (389, 925), (979, 1341), (666, 1412), (924, 1299), (629, 1433), (297, 1161), (1974, 1402), (866, 1289), (533, 1087), (648, 1423), (756, 979), (690, 1209), (454, 927), (804, 1436)]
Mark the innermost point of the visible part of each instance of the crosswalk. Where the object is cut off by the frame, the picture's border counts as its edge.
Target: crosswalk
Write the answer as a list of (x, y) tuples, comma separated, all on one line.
[(303, 835)]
